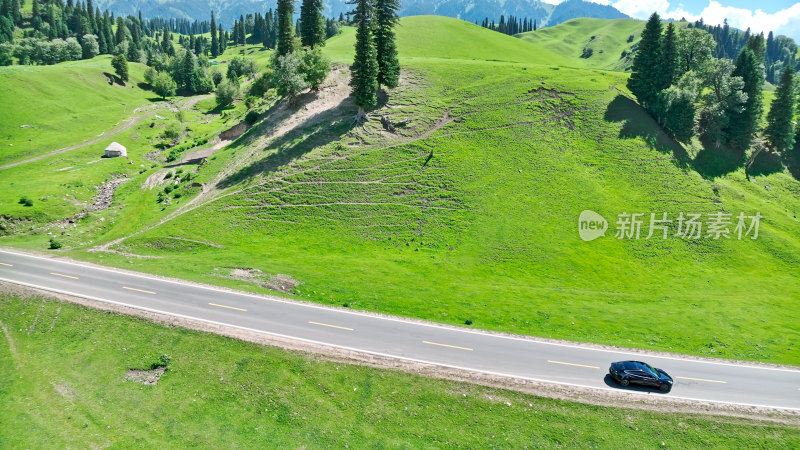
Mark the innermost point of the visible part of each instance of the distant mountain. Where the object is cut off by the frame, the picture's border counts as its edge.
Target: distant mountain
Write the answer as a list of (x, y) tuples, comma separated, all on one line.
[(572, 9), (226, 11)]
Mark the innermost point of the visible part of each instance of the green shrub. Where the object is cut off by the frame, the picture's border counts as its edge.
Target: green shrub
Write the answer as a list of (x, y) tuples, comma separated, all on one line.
[(226, 93), (251, 117), (177, 195), (54, 244), (25, 201), (263, 84), (168, 189)]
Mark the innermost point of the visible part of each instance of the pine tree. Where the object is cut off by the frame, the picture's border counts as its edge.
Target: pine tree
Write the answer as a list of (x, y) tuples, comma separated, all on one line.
[(122, 32), (669, 57), (364, 71), (779, 131), (743, 122), (285, 28), (16, 14), (214, 41), (312, 31), (166, 43), (645, 80), (120, 65), (385, 20), (36, 15)]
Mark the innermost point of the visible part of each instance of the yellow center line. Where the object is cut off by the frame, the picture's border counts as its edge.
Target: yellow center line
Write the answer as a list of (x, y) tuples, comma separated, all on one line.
[(329, 325), (4, 264), (138, 290), (572, 364), (447, 345), (229, 307), (62, 275), (701, 379)]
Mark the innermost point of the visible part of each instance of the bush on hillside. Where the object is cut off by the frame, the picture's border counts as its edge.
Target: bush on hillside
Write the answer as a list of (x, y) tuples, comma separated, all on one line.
[(150, 75), (6, 53), (120, 65), (164, 86), (89, 45), (226, 93), (54, 244), (315, 68), (287, 77), (240, 66), (25, 201), (216, 77), (262, 84)]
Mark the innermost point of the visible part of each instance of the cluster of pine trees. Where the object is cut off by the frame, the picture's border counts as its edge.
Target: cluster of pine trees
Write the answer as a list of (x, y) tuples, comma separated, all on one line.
[(511, 26), (780, 51), (375, 61), (689, 91), (297, 63), (10, 17), (180, 26)]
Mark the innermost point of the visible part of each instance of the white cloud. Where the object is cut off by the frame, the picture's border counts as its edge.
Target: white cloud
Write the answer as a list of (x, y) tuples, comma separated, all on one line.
[(640, 9), (785, 21)]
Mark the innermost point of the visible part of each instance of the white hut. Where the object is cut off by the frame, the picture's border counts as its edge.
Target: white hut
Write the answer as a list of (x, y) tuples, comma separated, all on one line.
[(115, 149)]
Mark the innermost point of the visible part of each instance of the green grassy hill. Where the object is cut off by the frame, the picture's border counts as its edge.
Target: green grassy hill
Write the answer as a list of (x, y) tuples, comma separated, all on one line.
[(469, 213), (443, 38), (64, 104), (607, 39)]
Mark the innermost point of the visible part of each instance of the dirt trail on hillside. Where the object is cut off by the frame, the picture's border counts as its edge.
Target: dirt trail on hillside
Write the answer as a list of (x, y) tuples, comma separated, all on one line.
[(126, 125), (310, 109)]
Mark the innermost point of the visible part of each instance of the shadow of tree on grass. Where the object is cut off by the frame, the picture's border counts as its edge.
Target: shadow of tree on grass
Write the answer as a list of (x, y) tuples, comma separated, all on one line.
[(315, 131), (639, 124)]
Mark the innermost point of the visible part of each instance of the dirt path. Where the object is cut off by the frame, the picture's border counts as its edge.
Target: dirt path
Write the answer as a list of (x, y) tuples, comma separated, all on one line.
[(126, 125)]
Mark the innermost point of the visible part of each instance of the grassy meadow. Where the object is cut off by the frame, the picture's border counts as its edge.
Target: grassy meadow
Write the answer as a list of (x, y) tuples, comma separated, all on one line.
[(65, 104), (469, 212), (65, 385), (607, 39)]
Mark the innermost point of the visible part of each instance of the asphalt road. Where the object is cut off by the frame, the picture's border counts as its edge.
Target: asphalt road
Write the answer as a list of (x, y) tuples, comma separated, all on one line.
[(566, 364)]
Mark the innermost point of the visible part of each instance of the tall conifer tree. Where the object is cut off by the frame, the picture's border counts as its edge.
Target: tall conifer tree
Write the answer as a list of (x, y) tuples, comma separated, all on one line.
[(743, 122), (285, 28), (364, 71), (669, 57), (214, 41), (312, 30), (779, 131), (385, 20), (645, 80)]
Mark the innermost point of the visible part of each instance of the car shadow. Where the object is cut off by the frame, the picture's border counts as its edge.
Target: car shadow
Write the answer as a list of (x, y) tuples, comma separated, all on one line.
[(613, 384)]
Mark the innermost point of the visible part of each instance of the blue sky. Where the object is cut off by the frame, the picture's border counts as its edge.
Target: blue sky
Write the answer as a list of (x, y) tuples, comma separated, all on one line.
[(780, 16)]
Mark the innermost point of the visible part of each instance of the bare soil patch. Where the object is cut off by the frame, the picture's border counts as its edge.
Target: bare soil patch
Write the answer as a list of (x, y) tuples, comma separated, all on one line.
[(148, 377), (278, 282)]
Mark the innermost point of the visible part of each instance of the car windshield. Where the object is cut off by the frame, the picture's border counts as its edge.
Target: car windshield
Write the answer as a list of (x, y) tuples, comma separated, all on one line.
[(651, 369)]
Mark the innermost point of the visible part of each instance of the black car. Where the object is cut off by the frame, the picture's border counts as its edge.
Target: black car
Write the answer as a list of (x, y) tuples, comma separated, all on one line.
[(637, 372)]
